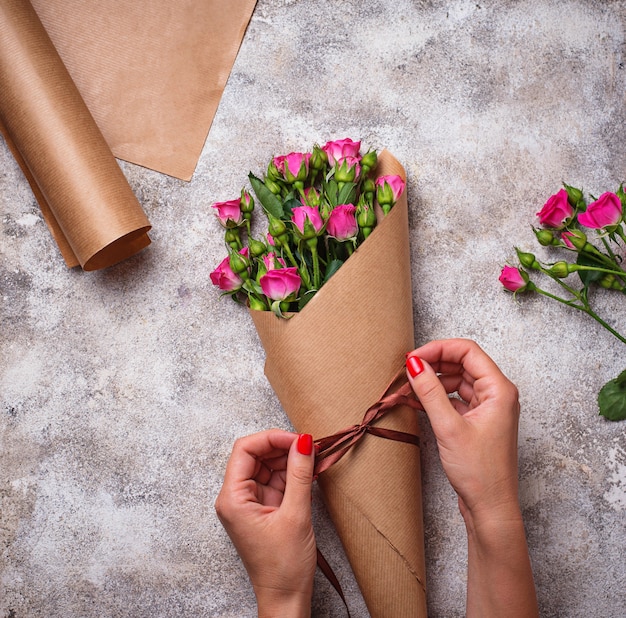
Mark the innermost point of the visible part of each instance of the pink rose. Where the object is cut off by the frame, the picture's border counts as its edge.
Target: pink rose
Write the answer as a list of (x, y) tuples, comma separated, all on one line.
[(294, 166), (556, 210), (512, 279), (342, 223), (565, 237), (280, 283), (299, 217), (389, 189), (604, 212), (347, 169), (311, 197), (270, 259), (229, 213), (224, 277), (340, 149)]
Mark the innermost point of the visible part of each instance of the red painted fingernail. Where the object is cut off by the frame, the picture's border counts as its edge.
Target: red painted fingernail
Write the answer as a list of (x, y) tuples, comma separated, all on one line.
[(305, 444), (414, 365)]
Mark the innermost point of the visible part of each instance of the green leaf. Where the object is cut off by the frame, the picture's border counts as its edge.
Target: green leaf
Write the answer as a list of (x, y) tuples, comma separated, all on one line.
[(271, 204), (347, 195), (332, 268), (288, 205), (588, 276), (331, 190), (612, 398), (305, 298)]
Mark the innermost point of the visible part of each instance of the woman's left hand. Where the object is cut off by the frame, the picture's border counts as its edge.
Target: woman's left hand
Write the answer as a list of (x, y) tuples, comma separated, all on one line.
[(265, 506)]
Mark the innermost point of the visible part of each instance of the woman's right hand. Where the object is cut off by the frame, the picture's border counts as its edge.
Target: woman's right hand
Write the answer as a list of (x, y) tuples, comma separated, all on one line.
[(476, 431)]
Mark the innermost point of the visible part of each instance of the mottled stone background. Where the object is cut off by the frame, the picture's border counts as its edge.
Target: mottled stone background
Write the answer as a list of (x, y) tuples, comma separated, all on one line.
[(122, 391)]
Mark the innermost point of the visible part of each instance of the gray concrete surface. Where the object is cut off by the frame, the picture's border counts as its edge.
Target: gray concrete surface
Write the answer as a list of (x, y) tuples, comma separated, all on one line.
[(122, 391)]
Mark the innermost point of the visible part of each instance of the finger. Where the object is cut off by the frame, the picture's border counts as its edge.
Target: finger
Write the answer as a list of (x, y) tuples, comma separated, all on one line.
[(299, 475), (450, 355), (432, 395), (244, 459)]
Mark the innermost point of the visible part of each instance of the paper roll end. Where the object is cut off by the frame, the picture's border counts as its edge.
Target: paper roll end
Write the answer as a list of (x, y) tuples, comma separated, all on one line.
[(119, 250)]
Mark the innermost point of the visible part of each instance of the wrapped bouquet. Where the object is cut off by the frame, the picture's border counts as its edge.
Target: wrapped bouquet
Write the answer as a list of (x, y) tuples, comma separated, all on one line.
[(329, 291)]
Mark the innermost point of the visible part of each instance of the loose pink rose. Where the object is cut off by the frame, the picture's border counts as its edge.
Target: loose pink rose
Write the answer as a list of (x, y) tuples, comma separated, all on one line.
[(342, 223), (280, 283), (294, 166), (224, 278), (229, 213), (556, 210), (512, 279), (604, 212), (340, 149), (389, 188), (301, 213)]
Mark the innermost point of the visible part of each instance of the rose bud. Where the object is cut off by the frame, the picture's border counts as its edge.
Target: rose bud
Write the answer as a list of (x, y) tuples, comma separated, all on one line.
[(560, 270), (229, 213), (281, 283), (556, 211), (527, 260), (574, 239), (514, 279), (605, 212), (307, 221), (342, 223)]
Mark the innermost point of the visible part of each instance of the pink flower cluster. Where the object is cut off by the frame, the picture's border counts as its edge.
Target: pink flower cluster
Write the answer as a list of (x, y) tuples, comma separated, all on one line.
[(320, 206), (562, 216), (604, 212)]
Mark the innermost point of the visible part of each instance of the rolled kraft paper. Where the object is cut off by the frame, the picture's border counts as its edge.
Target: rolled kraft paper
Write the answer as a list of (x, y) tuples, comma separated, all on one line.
[(328, 364), (84, 196)]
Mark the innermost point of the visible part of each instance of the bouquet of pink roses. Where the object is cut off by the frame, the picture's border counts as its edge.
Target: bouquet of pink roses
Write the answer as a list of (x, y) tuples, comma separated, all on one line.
[(319, 206), (562, 217), (335, 261)]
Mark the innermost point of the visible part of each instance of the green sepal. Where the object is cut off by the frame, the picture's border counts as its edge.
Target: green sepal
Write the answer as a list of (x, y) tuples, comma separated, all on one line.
[(271, 204), (612, 398), (250, 285)]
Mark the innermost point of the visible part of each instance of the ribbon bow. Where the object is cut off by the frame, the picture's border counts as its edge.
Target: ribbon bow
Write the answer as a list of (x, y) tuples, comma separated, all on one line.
[(332, 448)]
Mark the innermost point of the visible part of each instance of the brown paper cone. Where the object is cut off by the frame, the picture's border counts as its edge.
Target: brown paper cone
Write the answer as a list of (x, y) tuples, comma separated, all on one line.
[(84, 196), (328, 364)]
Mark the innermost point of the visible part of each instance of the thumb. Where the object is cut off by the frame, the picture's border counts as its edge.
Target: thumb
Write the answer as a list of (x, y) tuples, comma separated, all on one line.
[(299, 478), (432, 395)]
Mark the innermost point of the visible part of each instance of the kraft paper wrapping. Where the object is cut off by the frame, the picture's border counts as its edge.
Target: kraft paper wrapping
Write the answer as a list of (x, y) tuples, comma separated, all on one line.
[(84, 196), (328, 364), (151, 73)]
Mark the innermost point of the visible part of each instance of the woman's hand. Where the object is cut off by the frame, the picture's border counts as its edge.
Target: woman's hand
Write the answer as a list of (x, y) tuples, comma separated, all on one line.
[(265, 506), (474, 411), (476, 432)]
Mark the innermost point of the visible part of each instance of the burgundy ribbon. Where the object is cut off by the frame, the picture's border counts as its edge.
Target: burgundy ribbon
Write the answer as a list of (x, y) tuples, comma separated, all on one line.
[(331, 449)]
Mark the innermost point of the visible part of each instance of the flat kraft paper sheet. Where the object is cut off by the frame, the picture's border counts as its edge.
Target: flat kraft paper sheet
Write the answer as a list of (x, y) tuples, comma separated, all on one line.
[(151, 73), (328, 364)]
